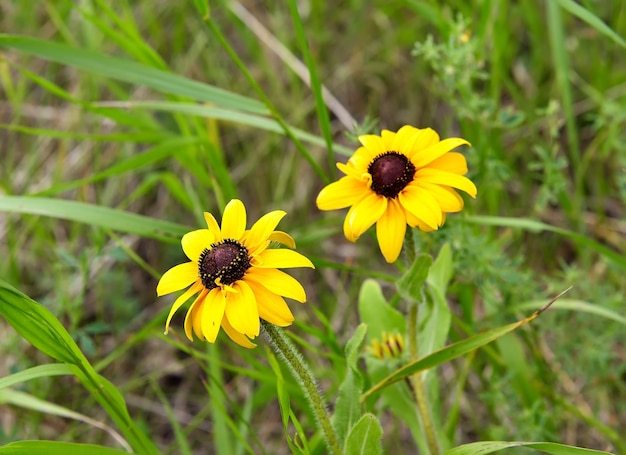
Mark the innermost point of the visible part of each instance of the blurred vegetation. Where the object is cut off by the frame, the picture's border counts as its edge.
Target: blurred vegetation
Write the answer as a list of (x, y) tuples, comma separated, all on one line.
[(537, 87)]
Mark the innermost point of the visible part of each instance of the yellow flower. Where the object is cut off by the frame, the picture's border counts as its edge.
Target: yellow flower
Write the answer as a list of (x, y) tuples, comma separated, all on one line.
[(235, 276), (395, 179), (391, 345)]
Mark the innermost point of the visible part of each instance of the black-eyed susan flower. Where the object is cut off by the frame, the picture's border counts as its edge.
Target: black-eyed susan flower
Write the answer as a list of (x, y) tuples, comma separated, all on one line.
[(390, 346), (236, 277), (409, 177)]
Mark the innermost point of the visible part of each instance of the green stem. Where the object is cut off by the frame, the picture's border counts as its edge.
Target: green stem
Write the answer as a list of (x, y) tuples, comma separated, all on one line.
[(301, 371), (409, 245), (419, 387)]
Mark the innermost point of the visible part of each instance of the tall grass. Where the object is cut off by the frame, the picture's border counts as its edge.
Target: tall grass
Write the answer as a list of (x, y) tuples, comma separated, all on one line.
[(122, 122)]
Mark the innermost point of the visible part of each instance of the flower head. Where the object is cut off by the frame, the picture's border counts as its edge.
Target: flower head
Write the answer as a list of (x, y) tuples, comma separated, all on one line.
[(390, 346), (236, 277), (409, 177)]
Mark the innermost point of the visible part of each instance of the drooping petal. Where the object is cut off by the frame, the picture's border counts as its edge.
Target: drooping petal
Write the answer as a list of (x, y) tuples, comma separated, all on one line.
[(197, 287), (451, 162), (344, 192), (425, 156), (234, 220), (261, 230), (448, 179), (214, 227), (414, 221), (237, 337), (374, 144), (195, 242), (241, 309), (282, 259), (448, 199), (422, 204), (424, 139), (283, 238), (178, 277), (196, 317), (364, 214), (390, 230), (277, 282), (272, 307), (212, 314), (191, 314)]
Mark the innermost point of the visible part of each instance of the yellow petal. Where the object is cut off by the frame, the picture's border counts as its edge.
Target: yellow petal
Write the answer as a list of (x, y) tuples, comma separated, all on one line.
[(344, 192), (263, 228), (424, 138), (364, 214), (283, 238), (425, 156), (413, 221), (212, 314), (241, 309), (211, 222), (404, 140), (192, 313), (362, 157), (422, 204), (195, 242), (282, 259), (178, 277), (390, 230), (272, 307), (374, 144), (197, 287), (237, 337), (277, 282), (234, 220), (388, 137), (451, 162), (448, 199), (196, 316), (358, 173), (446, 178)]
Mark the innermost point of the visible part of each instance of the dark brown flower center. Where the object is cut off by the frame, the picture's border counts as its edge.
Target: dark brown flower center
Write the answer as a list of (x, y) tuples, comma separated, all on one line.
[(227, 260), (391, 172)]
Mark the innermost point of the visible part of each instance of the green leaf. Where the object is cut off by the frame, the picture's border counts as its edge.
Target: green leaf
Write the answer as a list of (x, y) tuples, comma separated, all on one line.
[(348, 407), (577, 305), (27, 401), (226, 115), (129, 71), (441, 271), (94, 215), (56, 448), (410, 285), (39, 327), (364, 437), (453, 351), (485, 447), (376, 313), (39, 371), (587, 16)]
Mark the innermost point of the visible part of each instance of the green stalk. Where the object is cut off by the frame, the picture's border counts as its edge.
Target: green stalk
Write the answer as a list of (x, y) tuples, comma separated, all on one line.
[(419, 389), (286, 350), (270, 106)]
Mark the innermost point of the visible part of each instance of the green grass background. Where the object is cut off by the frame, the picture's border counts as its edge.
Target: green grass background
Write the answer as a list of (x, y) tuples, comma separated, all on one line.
[(537, 87)]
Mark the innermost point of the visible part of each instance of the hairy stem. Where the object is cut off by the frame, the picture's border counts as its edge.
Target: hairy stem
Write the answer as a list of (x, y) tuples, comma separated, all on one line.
[(286, 350)]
